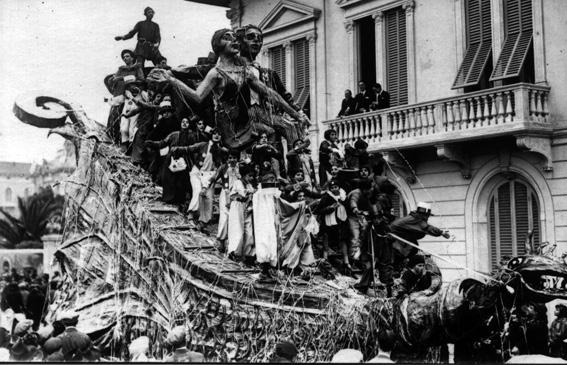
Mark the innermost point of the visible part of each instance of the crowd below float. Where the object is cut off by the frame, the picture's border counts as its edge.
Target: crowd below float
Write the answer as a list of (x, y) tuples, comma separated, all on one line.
[(230, 147)]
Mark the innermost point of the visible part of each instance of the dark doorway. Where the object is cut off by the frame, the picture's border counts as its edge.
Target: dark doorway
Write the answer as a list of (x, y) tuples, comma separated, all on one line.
[(366, 51)]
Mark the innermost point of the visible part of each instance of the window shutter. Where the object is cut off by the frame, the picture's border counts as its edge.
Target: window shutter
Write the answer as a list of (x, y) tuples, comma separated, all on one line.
[(519, 36), (513, 212), (479, 43), (522, 215), (398, 205), (277, 61), (396, 56), (301, 62)]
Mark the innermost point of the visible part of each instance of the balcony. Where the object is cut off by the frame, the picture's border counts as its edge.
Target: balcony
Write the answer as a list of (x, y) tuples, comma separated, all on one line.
[(520, 110)]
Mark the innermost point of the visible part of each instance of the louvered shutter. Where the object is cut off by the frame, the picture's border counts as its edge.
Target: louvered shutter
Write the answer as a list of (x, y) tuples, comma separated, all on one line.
[(479, 43), (396, 56), (301, 63), (513, 212), (398, 206), (277, 61), (522, 216), (519, 36)]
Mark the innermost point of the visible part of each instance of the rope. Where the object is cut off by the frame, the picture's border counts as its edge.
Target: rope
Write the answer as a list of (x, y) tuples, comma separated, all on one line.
[(486, 277)]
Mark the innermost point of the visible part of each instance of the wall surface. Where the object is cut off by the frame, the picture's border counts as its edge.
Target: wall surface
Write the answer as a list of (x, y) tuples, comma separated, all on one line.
[(459, 204)]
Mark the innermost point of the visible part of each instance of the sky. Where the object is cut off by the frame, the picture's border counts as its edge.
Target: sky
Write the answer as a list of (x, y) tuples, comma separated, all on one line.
[(68, 46)]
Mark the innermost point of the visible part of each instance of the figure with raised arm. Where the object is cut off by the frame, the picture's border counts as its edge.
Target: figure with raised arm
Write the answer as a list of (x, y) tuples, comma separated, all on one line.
[(230, 82)]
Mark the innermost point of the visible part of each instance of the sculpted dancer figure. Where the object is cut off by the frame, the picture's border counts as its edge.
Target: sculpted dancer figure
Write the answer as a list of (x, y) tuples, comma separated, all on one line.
[(262, 110), (230, 82)]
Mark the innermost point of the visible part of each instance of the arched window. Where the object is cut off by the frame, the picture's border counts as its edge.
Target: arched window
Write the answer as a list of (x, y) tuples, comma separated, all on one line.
[(8, 195), (512, 212)]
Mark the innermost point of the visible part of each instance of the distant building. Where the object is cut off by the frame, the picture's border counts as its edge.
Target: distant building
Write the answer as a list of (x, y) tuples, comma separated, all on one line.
[(477, 124), (15, 181), (50, 173)]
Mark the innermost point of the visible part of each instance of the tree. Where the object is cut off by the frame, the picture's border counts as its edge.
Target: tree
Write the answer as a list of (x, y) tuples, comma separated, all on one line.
[(36, 212)]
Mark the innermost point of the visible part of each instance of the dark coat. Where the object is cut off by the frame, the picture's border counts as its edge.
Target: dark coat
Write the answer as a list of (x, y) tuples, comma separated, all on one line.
[(364, 100), (348, 107), (176, 185)]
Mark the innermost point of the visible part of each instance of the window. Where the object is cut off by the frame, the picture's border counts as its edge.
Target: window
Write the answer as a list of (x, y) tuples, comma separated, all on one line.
[(366, 50), (515, 62), (8, 195), (301, 66), (513, 211), (477, 62), (277, 61), (396, 56), (399, 208)]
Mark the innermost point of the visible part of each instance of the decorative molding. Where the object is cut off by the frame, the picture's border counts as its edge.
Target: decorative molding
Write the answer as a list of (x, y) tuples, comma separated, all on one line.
[(307, 13), (456, 154), (347, 3), (349, 26), (311, 37), (378, 17), (540, 145), (286, 44), (409, 7), (394, 160)]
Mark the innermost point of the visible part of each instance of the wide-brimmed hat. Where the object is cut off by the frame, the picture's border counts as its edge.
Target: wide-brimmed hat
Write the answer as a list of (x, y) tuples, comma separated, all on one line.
[(126, 51), (423, 207), (165, 105)]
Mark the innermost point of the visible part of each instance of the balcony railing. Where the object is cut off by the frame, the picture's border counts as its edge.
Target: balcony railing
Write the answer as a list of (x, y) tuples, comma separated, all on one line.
[(516, 109)]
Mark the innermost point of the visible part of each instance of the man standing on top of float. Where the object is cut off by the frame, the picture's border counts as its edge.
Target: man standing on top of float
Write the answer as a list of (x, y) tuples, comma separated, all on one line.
[(149, 38)]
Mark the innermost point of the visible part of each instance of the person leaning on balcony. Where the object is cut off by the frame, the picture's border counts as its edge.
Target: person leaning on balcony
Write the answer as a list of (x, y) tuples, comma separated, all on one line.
[(364, 98), (348, 105), (382, 98), (329, 154)]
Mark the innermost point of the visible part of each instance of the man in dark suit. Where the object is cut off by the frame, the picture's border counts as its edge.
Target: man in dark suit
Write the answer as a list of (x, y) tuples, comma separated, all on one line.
[(364, 98), (382, 98), (348, 105)]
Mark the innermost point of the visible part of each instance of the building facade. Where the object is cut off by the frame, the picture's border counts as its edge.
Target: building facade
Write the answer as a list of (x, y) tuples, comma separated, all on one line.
[(476, 124), (15, 181)]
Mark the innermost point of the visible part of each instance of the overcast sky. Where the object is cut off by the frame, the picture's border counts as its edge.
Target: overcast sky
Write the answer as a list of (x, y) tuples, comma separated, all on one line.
[(68, 46)]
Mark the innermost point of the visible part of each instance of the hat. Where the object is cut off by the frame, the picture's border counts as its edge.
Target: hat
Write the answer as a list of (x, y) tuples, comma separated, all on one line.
[(23, 327), (360, 144), (52, 345), (176, 336), (348, 355), (423, 207), (416, 259), (139, 346), (286, 349), (127, 51), (165, 105)]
